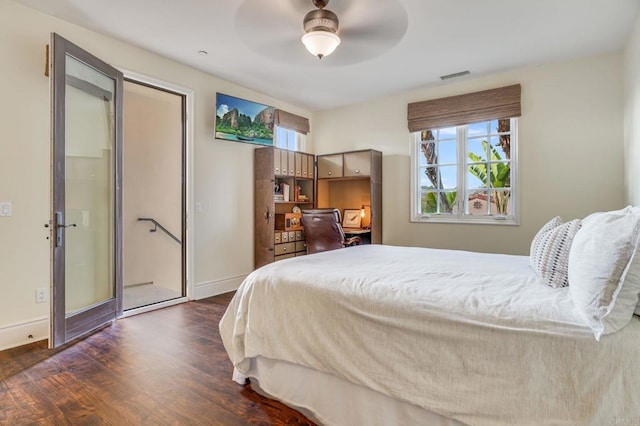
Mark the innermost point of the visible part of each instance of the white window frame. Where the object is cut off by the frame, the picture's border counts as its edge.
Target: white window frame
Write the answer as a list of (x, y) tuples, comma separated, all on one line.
[(460, 216), (293, 141)]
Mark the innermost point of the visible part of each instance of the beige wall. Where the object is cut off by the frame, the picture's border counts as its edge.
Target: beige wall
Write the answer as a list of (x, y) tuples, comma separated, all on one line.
[(152, 186), (570, 151), (223, 174), (632, 116), (570, 147)]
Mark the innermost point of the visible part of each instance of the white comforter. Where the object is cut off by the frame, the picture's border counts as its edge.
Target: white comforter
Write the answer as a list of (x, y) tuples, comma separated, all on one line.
[(474, 337)]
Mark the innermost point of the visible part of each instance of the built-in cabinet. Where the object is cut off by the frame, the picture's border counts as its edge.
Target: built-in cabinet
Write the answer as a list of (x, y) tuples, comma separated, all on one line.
[(283, 180), (349, 180), (348, 164), (353, 181)]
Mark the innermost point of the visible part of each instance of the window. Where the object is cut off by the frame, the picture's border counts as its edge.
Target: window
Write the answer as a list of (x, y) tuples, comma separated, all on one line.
[(290, 139), (290, 131), (465, 173)]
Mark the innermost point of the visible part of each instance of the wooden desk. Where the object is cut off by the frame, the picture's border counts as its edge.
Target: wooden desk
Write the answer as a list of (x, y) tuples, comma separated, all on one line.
[(363, 233)]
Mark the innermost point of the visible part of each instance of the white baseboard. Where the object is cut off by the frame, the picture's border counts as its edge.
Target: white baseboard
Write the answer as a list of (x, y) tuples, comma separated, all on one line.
[(18, 334), (213, 288), (153, 307)]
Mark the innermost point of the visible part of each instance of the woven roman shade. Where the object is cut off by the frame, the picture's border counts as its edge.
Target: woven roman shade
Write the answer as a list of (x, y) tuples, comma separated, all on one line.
[(492, 104), (291, 121)]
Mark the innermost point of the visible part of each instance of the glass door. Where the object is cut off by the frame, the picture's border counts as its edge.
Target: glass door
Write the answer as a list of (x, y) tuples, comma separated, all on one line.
[(86, 216)]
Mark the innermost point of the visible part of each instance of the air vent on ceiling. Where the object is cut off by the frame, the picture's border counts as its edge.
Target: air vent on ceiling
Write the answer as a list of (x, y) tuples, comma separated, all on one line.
[(455, 75)]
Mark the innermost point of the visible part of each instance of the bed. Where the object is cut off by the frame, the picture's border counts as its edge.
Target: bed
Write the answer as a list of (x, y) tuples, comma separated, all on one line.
[(385, 335)]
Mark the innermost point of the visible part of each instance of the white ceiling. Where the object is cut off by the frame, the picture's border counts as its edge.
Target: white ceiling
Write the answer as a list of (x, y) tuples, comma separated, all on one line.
[(388, 46)]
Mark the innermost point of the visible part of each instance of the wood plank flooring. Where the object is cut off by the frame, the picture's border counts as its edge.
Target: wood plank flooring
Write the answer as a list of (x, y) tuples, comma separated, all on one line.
[(163, 367)]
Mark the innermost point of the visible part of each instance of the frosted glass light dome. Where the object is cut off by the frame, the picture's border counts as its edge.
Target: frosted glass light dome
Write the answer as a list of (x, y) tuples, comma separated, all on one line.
[(320, 43)]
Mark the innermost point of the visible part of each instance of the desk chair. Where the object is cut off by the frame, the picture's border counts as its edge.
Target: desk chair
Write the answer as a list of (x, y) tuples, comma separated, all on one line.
[(323, 230)]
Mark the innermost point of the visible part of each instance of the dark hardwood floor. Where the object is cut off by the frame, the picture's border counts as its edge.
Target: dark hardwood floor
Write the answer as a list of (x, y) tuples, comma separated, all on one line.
[(157, 368)]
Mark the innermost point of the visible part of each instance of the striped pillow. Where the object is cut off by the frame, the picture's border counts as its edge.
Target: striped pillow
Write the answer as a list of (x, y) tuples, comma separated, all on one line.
[(549, 255)]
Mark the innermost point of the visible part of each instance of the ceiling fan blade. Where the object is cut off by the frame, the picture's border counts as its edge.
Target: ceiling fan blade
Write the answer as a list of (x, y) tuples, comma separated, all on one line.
[(370, 34), (373, 13), (274, 28), (372, 28), (270, 16)]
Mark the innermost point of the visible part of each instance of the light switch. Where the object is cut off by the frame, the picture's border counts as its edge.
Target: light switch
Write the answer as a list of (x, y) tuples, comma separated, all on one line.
[(198, 207), (5, 208)]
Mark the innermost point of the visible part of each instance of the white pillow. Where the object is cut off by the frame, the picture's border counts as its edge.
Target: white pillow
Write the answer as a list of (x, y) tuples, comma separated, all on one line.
[(628, 209), (604, 270), (636, 210), (549, 255)]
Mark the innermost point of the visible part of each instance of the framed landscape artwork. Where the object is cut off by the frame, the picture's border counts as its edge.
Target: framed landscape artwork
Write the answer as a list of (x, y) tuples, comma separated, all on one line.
[(243, 121)]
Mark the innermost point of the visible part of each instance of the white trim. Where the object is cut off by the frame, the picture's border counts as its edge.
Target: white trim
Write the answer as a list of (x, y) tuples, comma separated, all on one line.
[(413, 217), (18, 334), (189, 173), (132, 75), (213, 288), (153, 307), (481, 220)]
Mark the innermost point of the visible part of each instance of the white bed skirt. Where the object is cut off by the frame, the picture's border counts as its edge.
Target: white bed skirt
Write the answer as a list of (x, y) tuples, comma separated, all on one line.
[(328, 400)]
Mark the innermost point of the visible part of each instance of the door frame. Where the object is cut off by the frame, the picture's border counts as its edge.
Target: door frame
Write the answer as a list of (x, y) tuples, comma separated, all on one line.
[(93, 317), (188, 193)]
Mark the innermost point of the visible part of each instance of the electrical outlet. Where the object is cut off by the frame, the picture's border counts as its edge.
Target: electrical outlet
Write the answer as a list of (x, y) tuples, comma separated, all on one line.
[(5, 208), (42, 294)]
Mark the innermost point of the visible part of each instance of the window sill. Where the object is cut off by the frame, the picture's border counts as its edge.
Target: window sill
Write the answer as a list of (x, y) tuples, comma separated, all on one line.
[(467, 221)]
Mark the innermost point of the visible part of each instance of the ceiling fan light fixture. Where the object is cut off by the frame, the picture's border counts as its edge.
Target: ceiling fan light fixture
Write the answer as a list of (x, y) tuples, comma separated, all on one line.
[(320, 43), (320, 27)]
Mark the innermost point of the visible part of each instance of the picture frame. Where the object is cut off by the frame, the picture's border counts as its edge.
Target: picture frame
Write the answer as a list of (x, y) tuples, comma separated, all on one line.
[(245, 121), (351, 218)]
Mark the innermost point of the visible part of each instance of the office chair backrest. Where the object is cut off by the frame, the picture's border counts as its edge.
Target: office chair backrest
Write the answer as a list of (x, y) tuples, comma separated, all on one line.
[(322, 230)]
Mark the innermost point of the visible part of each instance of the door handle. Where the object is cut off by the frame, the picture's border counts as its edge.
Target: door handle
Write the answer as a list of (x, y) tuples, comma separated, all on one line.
[(58, 231)]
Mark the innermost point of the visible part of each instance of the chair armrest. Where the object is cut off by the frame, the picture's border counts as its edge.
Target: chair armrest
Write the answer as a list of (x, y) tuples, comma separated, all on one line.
[(352, 241)]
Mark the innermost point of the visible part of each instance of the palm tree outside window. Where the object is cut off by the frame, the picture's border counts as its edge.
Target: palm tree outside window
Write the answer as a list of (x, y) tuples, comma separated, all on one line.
[(466, 173)]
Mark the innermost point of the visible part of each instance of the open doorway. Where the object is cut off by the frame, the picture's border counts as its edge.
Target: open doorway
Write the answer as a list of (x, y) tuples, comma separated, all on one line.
[(154, 197)]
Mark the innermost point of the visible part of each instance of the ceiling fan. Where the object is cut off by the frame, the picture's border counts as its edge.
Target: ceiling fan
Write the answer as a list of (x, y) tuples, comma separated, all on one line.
[(320, 28), (365, 29)]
